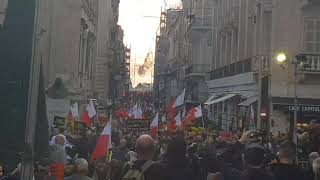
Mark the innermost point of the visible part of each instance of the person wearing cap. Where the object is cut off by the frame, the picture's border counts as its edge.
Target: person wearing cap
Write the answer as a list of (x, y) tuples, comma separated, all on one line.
[(81, 170)]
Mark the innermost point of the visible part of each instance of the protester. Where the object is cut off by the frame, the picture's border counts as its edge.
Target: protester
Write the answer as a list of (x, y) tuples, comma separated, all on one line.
[(286, 169), (81, 170), (176, 164), (101, 171), (2, 173), (57, 150), (309, 173), (316, 168), (145, 149), (254, 168), (121, 151)]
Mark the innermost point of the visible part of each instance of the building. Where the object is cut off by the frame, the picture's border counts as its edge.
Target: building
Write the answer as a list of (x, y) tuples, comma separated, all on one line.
[(247, 86), (168, 70), (198, 48), (107, 30), (69, 44), (184, 52)]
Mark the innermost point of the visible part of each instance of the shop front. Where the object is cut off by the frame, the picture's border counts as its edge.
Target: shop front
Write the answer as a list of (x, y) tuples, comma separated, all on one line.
[(283, 112)]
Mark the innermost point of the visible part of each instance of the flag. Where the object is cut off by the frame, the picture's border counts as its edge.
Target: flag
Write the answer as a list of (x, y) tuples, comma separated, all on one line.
[(171, 111), (198, 112), (192, 115), (154, 126), (178, 119), (136, 112), (91, 109), (184, 112), (86, 119), (74, 110), (180, 99), (103, 144)]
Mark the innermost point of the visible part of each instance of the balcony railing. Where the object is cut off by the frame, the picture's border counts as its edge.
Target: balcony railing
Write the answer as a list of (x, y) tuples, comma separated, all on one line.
[(200, 23), (197, 70), (309, 63)]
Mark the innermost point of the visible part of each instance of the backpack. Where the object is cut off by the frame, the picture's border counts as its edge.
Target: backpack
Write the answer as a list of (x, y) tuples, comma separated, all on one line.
[(137, 174)]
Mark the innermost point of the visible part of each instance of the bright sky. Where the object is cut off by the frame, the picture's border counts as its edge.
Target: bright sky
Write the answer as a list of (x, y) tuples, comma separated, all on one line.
[(140, 21)]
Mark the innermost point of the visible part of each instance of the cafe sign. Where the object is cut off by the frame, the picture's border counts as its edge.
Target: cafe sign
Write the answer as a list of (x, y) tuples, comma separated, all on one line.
[(303, 108)]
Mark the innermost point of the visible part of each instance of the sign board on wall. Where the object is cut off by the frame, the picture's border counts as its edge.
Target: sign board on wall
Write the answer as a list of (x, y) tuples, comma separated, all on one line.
[(306, 108)]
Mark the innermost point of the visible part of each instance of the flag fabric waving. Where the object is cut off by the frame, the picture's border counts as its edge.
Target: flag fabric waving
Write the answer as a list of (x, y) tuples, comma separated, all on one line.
[(86, 119), (103, 144), (74, 109), (192, 115), (91, 109), (154, 126), (178, 119), (136, 112), (180, 99)]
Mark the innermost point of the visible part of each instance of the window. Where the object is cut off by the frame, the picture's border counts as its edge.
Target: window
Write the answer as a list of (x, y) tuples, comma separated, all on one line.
[(312, 35)]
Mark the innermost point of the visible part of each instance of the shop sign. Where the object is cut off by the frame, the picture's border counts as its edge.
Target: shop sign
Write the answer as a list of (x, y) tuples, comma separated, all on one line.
[(305, 108)]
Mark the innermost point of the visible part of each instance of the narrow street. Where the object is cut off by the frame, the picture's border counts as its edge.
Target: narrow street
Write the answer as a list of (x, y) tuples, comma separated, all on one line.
[(160, 89)]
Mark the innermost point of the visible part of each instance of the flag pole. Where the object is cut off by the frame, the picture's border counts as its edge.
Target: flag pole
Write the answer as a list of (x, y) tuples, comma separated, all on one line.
[(202, 117)]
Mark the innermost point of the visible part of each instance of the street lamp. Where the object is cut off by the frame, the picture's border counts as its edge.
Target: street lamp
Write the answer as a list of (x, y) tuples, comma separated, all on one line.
[(281, 58)]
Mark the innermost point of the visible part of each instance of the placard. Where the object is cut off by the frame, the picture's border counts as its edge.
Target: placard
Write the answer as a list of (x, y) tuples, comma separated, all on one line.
[(138, 125)]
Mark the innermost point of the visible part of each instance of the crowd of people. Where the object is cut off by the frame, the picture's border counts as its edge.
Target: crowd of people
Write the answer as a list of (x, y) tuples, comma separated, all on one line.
[(185, 154), (176, 156)]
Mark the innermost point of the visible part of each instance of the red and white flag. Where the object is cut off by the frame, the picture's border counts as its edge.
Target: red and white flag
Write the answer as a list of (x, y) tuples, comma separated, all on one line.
[(154, 126), (180, 99), (86, 119), (192, 115), (103, 144), (91, 109)]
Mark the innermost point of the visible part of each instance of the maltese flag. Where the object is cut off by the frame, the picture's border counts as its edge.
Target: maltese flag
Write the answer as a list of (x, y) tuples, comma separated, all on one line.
[(103, 144), (154, 126), (180, 99)]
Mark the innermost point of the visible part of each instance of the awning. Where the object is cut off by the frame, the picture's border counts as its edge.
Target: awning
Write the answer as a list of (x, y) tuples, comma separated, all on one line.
[(223, 98), (211, 98), (248, 101)]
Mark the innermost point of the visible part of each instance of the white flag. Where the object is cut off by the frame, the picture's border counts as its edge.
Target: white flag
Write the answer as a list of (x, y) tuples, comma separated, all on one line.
[(91, 109), (184, 112), (178, 119), (155, 121), (74, 110), (198, 112), (180, 99)]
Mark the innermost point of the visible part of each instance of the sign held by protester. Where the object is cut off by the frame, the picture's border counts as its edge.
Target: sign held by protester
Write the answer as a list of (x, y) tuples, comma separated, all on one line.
[(138, 125)]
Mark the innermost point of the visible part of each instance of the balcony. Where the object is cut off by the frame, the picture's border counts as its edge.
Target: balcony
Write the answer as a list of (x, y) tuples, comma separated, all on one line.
[(308, 63), (199, 26), (305, 3), (197, 70), (231, 19)]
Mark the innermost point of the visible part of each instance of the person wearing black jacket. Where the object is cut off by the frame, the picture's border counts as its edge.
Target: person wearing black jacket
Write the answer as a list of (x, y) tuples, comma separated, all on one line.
[(176, 165), (286, 169)]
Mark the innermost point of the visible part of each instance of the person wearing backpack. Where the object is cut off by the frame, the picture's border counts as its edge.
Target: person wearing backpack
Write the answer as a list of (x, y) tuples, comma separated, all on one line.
[(143, 168)]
